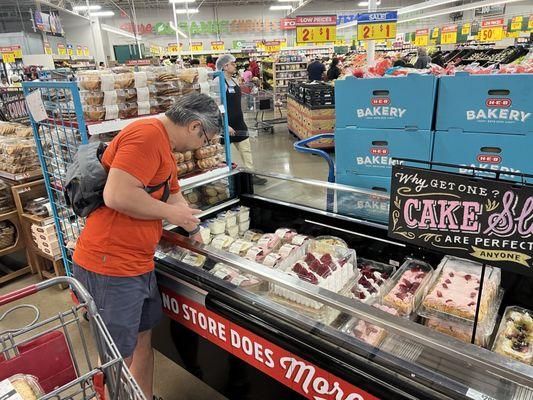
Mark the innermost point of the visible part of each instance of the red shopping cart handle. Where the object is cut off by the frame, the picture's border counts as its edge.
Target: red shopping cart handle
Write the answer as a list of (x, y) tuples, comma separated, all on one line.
[(18, 294)]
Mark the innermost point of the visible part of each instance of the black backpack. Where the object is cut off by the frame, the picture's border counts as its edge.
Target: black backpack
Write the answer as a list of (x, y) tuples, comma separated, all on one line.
[(86, 179)]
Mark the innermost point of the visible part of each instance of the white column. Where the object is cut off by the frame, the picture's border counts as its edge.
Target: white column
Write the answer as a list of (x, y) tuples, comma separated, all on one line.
[(371, 44), (96, 32)]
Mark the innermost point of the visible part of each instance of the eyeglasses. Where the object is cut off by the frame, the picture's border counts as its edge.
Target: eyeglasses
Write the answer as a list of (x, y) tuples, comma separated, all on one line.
[(207, 140)]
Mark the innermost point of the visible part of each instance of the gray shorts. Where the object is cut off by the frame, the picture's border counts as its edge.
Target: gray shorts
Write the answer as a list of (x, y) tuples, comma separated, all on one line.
[(128, 305)]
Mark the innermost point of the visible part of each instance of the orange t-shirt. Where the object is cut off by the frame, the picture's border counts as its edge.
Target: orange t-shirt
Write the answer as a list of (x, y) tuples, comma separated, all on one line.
[(113, 243)]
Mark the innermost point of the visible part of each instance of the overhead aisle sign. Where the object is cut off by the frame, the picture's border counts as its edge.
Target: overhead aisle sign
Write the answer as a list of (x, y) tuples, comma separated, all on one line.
[(377, 25), (316, 28), (422, 37), (217, 46), (491, 30), (448, 34)]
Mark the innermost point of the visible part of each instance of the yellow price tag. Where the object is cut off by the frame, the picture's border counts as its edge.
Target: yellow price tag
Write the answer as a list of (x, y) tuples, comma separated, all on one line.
[(512, 34), (530, 22), (17, 51), (172, 48), (491, 34), (8, 57), (79, 51), (316, 34), (448, 35), (61, 50), (217, 46), (197, 46), (516, 23), (421, 40), (85, 51), (48, 50), (376, 31), (272, 46), (465, 29), (435, 33)]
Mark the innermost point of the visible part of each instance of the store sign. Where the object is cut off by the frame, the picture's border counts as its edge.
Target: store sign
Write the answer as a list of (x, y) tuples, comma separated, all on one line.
[(174, 47), (243, 45), (10, 53), (217, 45), (134, 63), (465, 29), (490, 10), (288, 24), (491, 30), (344, 19), (435, 33), (290, 370), (377, 25), (86, 51), (154, 50), (479, 219), (47, 48), (316, 28), (47, 22), (8, 57), (272, 46), (70, 50), (448, 34), (530, 23), (422, 37), (61, 49), (197, 46), (13, 104)]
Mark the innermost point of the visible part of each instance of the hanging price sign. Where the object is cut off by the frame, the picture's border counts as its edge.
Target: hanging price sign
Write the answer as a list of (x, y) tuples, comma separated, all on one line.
[(465, 29), (316, 28), (422, 37), (17, 51), (70, 50), (8, 57), (516, 24), (530, 23), (79, 51), (272, 46), (377, 25), (435, 33), (217, 46), (61, 49), (491, 30), (173, 48), (47, 48), (197, 46), (85, 51), (448, 35)]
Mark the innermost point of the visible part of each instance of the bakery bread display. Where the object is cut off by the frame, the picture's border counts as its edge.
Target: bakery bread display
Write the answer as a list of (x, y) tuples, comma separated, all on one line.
[(515, 335), (409, 286)]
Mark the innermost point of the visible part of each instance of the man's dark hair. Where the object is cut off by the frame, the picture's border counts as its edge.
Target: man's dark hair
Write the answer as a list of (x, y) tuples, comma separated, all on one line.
[(196, 107)]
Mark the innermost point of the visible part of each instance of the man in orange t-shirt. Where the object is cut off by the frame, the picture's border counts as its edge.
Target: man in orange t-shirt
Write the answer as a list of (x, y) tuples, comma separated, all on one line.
[(114, 254)]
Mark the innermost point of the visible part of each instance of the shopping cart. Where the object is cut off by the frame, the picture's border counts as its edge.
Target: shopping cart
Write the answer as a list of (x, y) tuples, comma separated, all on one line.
[(257, 102), (46, 349)]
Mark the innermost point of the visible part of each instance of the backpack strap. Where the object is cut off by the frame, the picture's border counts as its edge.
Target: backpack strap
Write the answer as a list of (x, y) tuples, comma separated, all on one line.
[(166, 192)]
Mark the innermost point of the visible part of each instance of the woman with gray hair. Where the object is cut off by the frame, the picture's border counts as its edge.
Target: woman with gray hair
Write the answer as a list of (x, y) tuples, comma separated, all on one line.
[(423, 58), (237, 127)]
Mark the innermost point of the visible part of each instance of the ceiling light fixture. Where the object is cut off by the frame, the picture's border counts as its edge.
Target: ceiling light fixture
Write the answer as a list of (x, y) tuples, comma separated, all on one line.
[(179, 31), (102, 14), (181, 1), (365, 3), (288, 1), (119, 31), (187, 11), (423, 6), (279, 8), (87, 8), (466, 7)]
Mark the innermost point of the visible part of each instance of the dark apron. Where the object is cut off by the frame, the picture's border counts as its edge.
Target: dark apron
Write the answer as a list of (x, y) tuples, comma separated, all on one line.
[(235, 115)]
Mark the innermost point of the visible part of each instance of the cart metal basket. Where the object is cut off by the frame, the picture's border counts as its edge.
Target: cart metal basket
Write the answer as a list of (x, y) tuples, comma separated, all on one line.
[(46, 349)]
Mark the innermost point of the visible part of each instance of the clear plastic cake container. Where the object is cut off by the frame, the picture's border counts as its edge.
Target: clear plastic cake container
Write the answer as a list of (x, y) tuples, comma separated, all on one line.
[(407, 306), (525, 356), (490, 289), (387, 269)]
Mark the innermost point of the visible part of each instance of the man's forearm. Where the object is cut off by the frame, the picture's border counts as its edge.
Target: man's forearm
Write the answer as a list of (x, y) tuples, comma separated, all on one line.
[(139, 205)]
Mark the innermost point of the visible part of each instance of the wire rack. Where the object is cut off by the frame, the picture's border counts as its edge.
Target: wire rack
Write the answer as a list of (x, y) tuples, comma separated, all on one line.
[(57, 138)]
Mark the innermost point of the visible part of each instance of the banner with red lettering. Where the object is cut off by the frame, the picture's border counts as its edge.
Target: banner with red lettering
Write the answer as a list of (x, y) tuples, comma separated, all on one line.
[(290, 370), (287, 24), (316, 20)]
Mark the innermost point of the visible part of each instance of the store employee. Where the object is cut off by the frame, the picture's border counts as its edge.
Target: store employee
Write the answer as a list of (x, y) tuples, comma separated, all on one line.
[(114, 253)]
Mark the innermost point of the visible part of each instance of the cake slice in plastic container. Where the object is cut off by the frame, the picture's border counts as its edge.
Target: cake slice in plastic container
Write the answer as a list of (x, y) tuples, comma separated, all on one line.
[(409, 285), (374, 280), (515, 335)]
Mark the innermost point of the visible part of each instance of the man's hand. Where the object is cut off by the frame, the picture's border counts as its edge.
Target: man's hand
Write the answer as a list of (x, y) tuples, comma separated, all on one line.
[(231, 131), (197, 237), (182, 215)]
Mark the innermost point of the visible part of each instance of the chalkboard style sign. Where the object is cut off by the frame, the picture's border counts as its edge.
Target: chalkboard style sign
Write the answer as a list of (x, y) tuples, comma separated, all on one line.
[(484, 220)]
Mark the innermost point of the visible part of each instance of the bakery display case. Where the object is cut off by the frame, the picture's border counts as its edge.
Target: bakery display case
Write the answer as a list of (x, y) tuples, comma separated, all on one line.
[(297, 292)]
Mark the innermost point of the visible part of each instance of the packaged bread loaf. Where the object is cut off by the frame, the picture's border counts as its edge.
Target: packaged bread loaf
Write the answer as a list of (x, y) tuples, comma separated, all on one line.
[(94, 113), (21, 386), (124, 80), (89, 80), (7, 128), (92, 97)]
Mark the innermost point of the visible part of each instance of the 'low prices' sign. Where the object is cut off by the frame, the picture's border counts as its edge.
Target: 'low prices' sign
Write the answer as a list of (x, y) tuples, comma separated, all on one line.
[(480, 219)]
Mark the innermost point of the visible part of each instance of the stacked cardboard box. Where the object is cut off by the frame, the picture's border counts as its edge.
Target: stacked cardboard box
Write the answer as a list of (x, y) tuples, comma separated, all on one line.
[(45, 237)]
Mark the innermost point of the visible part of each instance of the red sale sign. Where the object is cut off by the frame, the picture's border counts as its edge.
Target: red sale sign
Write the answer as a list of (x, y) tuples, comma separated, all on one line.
[(303, 377)]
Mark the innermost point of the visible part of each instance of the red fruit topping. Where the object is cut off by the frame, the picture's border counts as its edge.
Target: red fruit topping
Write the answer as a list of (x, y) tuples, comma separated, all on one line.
[(362, 295), (449, 300), (320, 269), (406, 283), (379, 282), (420, 276), (445, 286), (366, 284), (415, 269), (342, 261), (372, 289), (476, 288), (468, 277), (439, 293), (361, 280), (326, 258), (472, 303), (385, 276), (401, 296), (448, 281), (473, 294), (367, 273), (451, 274), (309, 258), (304, 274), (414, 287)]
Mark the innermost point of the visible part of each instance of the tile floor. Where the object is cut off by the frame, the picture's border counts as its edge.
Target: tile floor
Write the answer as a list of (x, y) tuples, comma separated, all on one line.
[(271, 153)]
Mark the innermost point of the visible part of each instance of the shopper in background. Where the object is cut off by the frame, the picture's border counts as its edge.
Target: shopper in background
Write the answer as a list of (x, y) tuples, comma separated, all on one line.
[(254, 68), (238, 129), (210, 62), (194, 63), (114, 253), (16, 81), (423, 58), (316, 70), (334, 71), (438, 60)]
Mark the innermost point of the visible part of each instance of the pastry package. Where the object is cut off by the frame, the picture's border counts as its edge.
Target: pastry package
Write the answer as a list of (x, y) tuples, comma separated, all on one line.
[(16, 146), (205, 233), (285, 234), (515, 335), (207, 163), (270, 242), (23, 131), (216, 225), (243, 213), (222, 242), (373, 281), (409, 286), (232, 231), (91, 80), (124, 80), (165, 102), (366, 331), (234, 276), (21, 386), (170, 88), (240, 247), (272, 260), (205, 152), (252, 235), (244, 226), (299, 240), (147, 107), (7, 128), (94, 113), (229, 216), (146, 93), (256, 253), (455, 289), (6, 198), (328, 243), (92, 97)]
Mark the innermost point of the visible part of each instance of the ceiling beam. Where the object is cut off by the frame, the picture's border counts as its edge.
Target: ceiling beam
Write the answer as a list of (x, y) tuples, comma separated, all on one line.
[(300, 6)]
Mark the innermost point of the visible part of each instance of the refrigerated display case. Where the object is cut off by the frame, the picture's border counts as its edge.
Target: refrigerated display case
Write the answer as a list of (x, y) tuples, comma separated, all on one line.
[(226, 323)]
